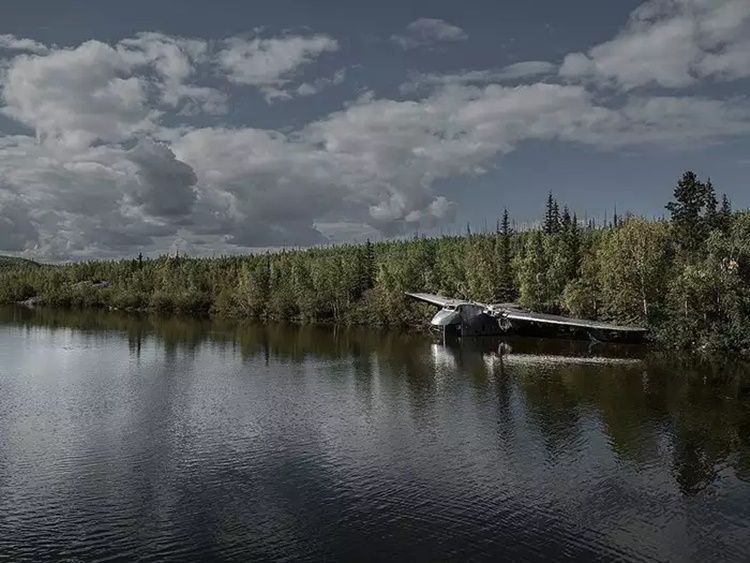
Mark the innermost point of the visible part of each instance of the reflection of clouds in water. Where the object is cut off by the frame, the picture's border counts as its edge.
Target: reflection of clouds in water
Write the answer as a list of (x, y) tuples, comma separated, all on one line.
[(335, 441)]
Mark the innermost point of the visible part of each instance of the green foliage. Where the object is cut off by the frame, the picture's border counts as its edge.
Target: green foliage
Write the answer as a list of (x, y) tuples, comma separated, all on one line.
[(686, 278), (635, 261), (7, 262)]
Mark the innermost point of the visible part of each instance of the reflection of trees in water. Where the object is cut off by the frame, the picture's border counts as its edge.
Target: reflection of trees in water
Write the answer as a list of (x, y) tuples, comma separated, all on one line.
[(702, 410), (619, 397), (550, 406), (709, 416), (705, 415)]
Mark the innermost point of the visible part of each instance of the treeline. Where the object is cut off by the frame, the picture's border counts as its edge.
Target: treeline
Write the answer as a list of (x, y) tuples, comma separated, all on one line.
[(686, 277)]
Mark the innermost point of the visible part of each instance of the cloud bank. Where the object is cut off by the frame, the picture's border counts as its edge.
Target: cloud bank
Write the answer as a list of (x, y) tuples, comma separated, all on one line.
[(131, 146)]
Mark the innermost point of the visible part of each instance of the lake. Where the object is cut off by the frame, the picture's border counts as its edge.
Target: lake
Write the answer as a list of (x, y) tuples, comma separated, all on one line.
[(145, 439)]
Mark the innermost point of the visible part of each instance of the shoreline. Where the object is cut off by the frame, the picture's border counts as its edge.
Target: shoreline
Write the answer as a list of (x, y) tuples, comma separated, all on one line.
[(651, 343), (56, 317)]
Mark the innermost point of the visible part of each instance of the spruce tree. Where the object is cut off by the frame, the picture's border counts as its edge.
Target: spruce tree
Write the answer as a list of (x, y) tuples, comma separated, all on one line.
[(505, 287), (686, 210), (369, 265), (551, 216), (725, 214), (712, 207), (565, 221), (555, 217)]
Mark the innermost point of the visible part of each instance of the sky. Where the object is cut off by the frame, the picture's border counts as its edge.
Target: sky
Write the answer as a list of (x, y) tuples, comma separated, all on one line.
[(226, 126)]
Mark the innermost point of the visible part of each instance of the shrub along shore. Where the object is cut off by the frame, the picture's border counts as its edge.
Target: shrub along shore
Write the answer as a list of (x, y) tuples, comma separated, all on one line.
[(686, 276)]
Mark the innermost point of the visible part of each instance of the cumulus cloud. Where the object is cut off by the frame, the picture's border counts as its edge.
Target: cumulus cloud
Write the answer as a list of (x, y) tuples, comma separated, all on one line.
[(96, 92), (78, 96), (175, 60), (383, 144), (265, 186), (18, 231), (12, 43), (116, 165), (269, 63), (165, 184), (426, 31), (319, 84), (672, 44), (77, 201)]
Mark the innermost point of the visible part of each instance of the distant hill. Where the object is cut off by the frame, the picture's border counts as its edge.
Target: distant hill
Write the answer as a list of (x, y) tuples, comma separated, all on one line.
[(12, 262)]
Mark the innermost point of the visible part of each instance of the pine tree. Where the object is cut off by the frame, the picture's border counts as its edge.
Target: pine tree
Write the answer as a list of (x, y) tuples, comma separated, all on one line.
[(573, 236), (533, 290), (686, 209), (565, 222), (505, 286), (551, 216), (555, 217), (369, 265), (725, 214), (712, 205)]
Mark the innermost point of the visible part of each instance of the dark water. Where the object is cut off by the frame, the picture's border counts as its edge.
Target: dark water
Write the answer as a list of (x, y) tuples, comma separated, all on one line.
[(148, 440)]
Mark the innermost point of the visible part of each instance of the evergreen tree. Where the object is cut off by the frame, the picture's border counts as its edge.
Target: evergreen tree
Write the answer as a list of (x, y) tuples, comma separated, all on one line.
[(565, 221), (690, 197), (555, 217), (533, 287), (505, 287), (370, 267), (573, 248), (551, 216), (712, 207), (725, 214)]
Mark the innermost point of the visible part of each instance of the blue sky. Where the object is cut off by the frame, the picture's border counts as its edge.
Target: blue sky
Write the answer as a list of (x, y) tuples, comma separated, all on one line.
[(225, 126)]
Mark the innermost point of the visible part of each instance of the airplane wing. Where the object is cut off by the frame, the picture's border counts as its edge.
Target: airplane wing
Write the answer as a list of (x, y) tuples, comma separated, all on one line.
[(438, 300), (568, 321)]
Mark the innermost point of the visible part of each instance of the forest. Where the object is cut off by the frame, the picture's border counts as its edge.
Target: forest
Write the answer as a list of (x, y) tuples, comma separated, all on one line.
[(685, 276)]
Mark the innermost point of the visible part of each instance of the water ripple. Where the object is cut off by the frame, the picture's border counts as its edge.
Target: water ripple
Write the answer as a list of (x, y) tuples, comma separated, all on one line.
[(371, 450)]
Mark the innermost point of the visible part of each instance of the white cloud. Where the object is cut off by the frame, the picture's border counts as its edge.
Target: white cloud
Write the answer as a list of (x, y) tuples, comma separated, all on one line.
[(271, 63), (13, 43), (672, 44), (386, 143), (97, 92), (373, 163), (516, 71), (78, 96), (18, 230), (175, 61), (526, 69), (319, 84), (266, 187), (116, 167), (426, 31), (164, 186), (669, 122)]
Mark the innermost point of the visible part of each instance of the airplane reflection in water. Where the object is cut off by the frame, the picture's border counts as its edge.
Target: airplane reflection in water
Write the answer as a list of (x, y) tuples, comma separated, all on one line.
[(494, 352)]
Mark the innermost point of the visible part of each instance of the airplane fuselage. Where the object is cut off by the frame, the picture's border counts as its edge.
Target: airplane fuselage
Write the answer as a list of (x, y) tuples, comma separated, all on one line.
[(469, 318)]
